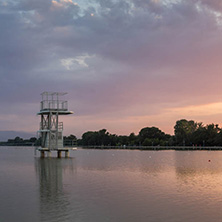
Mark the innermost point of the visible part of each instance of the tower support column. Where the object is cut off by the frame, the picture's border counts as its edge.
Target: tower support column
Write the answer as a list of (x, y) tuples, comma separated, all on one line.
[(49, 153), (59, 154), (42, 154), (66, 153)]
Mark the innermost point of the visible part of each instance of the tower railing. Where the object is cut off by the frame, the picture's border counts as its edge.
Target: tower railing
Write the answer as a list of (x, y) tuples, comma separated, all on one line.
[(60, 126), (54, 105)]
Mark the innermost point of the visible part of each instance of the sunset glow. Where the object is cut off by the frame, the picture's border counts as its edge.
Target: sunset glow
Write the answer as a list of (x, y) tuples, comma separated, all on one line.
[(125, 64)]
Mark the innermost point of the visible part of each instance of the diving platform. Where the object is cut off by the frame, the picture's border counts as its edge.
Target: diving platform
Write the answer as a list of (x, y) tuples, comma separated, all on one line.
[(51, 130), (61, 112)]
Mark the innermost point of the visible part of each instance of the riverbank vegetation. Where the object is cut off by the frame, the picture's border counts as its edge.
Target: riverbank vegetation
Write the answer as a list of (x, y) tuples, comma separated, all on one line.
[(186, 133), (18, 141)]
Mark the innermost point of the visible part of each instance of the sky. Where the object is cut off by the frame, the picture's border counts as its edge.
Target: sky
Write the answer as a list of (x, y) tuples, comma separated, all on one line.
[(125, 64)]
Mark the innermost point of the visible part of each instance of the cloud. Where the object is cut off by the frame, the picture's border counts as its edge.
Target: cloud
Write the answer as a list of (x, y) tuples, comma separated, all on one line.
[(214, 4), (129, 56), (68, 63)]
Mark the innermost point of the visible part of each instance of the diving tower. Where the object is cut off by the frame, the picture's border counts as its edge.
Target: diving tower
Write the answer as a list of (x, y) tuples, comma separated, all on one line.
[(51, 130)]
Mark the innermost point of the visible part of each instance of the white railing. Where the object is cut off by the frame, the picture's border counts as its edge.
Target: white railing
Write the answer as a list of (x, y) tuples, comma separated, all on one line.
[(54, 105), (60, 126)]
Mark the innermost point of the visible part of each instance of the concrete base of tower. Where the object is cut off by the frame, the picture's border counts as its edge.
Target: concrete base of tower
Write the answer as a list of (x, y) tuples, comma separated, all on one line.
[(59, 152)]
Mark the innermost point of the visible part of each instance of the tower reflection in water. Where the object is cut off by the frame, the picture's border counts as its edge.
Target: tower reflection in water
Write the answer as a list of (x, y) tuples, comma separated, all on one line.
[(54, 198)]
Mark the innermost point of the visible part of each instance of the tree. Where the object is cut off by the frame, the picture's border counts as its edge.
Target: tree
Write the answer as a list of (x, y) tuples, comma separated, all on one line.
[(199, 137), (32, 139), (69, 140), (89, 138), (101, 137), (151, 133), (133, 139), (212, 132), (184, 130)]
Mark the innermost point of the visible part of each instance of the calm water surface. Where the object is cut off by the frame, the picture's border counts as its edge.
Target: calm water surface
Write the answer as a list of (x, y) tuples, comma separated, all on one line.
[(111, 185)]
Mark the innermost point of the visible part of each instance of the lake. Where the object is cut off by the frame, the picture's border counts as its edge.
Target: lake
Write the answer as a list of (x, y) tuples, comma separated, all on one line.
[(111, 185)]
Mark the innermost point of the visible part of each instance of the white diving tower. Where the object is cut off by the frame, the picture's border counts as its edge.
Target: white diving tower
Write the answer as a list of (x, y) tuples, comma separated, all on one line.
[(51, 130)]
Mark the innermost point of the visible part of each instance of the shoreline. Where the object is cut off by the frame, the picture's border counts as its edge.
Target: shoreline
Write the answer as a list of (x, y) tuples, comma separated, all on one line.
[(154, 147), (142, 148)]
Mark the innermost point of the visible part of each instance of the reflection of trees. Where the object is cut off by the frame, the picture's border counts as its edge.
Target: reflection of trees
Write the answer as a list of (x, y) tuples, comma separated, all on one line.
[(54, 202)]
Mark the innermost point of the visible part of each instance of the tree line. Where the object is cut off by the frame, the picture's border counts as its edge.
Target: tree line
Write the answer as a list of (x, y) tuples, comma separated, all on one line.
[(186, 133), (18, 141)]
